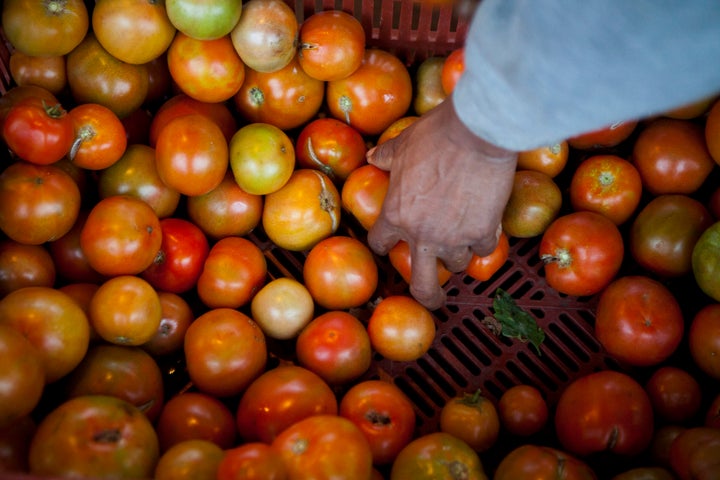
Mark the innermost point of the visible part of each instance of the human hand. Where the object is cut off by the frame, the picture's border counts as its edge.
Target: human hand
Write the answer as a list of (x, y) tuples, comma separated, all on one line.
[(448, 189)]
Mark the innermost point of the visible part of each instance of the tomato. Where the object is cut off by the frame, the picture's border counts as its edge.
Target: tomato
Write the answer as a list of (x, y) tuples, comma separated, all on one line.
[(548, 159), (191, 459), (53, 322), (542, 463), (314, 444), (266, 35), (18, 93), (664, 233), (695, 454), (179, 262), (23, 378), (452, 70), (15, 441), (24, 266), (94, 436), (225, 351), (159, 84), (303, 212), (279, 398), (262, 158), (286, 98), (606, 184), (282, 308), (251, 461), (340, 272), (712, 415), (363, 193), (400, 259), (400, 328), (193, 415), (191, 154), (705, 261), (331, 45), (473, 419), (333, 147), (712, 131), (704, 339), (674, 393), (395, 128), (383, 413), (45, 28), (604, 137), (234, 270), (582, 252), (604, 411), (129, 373), (137, 125), (336, 346), (534, 203), (182, 104), (429, 91), (96, 76), (375, 95), (226, 210), (692, 110), (100, 138), (207, 70), (672, 157), (713, 203), (133, 31), (135, 174), (38, 133), (645, 473), (46, 72), (483, 268), (437, 455), (121, 236), (523, 410), (206, 20), (174, 322), (662, 440)]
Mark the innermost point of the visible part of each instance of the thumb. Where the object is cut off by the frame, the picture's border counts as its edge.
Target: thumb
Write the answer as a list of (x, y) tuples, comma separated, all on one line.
[(381, 156)]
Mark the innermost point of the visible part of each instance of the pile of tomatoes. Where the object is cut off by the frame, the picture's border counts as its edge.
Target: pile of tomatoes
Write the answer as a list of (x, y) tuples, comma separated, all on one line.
[(158, 156)]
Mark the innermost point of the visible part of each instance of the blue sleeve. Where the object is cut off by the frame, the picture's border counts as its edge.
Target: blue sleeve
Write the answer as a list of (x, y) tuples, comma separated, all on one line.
[(540, 71)]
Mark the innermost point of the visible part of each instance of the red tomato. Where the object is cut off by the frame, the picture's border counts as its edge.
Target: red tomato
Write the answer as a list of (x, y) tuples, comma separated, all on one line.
[(17, 93), (336, 346), (363, 193), (176, 318), (333, 147), (542, 463), (330, 445), (374, 96), (179, 262), (15, 441), (452, 69), (712, 415), (695, 454), (437, 455), (483, 268), (582, 252), (383, 413), (401, 329), (37, 132), (638, 321), (189, 459), (704, 339), (674, 393), (340, 273), (604, 411), (225, 351), (606, 184), (207, 70), (46, 72), (251, 461), (712, 129), (100, 138), (604, 137), (549, 159), (400, 259), (24, 266), (191, 154), (23, 379), (473, 419), (232, 273), (279, 398), (182, 104), (523, 410)]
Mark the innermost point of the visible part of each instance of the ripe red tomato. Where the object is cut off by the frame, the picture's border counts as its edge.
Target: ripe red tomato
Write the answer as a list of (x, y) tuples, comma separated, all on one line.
[(549, 159), (121, 236), (695, 453), (675, 394), (189, 459), (252, 461), (225, 351), (232, 273), (182, 104), (606, 184), (99, 139), (23, 378), (437, 455), (452, 69), (712, 415), (542, 463), (374, 96), (333, 147), (523, 410), (400, 259), (37, 132), (279, 398), (336, 346), (638, 321), (534, 203), (363, 193), (340, 273), (604, 137), (329, 445), (331, 45), (25, 266), (582, 252), (176, 318), (384, 414), (704, 339), (94, 436), (604, 411), (179, 262), (401, 328), (483, 268), (472, 418), (672, 157), (18, 93)]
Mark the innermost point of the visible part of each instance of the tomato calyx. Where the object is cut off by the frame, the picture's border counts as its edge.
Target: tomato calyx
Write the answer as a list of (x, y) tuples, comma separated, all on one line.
[(606, 178), (55, 7), (346, 106), (561, 257), (257, 97), (377, 418), (84, 134), (472, 399), (300, 446)]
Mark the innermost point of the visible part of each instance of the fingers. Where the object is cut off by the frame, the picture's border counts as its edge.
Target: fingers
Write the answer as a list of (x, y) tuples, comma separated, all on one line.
[(424, 285), (382, 236), (486, 247), (457, 260), (380, 156)]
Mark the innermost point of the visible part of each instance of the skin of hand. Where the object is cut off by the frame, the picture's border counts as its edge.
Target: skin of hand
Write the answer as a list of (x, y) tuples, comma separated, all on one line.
[(447, 192)]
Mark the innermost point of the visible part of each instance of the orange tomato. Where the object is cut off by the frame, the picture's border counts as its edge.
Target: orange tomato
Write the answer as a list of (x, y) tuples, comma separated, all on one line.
[(549, 159), (331, 45), (453, 68), (483, 268)]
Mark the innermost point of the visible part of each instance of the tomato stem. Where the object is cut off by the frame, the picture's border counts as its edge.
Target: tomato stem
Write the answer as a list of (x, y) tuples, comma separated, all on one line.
[(561, 256)]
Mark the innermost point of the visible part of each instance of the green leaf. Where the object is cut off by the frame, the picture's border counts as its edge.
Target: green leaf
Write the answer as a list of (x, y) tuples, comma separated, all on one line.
[(516, 322)]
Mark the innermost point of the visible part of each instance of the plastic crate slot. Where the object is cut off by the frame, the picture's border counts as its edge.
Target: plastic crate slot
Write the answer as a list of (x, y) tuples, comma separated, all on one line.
[(429, 394), (575, 327), (550, 360), (538, 371), (520, 374), (558, 344), (475, 328), (435, 371), (447, 365), (423, 408), (490, 389), (457, 351), (472, 348), (504, 379)]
